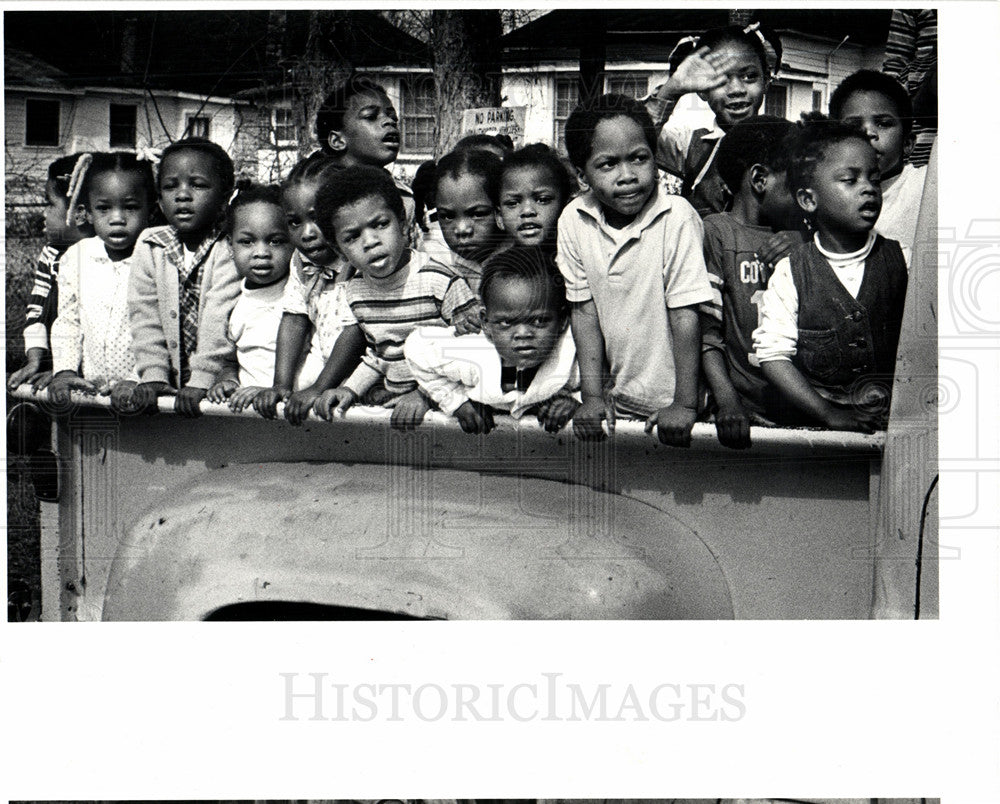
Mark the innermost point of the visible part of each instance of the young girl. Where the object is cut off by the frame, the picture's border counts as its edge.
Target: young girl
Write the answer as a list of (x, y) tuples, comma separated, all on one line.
[(313, 300), (730, 70), (64, 225), (466, 193), (91, 340), (262, 251), (832, 311), (183, 283), (534, 188), (524, 359)]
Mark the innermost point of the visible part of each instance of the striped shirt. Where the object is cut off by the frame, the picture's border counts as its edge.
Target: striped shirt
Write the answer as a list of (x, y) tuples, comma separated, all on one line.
[(42, 305), (388, 310), (911, 58)]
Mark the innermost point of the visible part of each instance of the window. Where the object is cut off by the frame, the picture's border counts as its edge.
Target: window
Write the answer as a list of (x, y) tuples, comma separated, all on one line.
[(197, 126), (567, 98), (283, 126), (41, 122), (121, 126), (776, 100), (628, 85), (817, 100), (418, 120)]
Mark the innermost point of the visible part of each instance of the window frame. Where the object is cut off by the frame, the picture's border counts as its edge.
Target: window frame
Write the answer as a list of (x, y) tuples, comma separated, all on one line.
[(190, 119), (135, 125), (408, 89), (58, 128), (290, 123), (571, 80)]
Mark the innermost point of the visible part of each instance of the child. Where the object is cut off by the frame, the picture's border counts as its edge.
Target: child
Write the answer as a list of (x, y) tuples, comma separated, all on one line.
[(534, 188), (632, 259), (466, 193), (524, 358), (741, 248), (358, 125), (91, 340), (730, 70), (398, 289), (63, 227), (883, 110), (183, 283), (314, 299), (831, 314), (262, 251)]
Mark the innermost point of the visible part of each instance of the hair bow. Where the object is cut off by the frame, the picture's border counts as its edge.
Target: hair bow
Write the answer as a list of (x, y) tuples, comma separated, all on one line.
[(149, 154), (75, 185)]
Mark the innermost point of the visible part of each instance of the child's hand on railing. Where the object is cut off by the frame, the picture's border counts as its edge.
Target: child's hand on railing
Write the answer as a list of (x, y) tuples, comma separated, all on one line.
[(136, 397), (673, 425), (243, 397), (334, 401), (66, 381), (859, 421), (221, 391), (408, 410), (188, 401), (588, 417), (474, 417), (732, 425), (30, 372), (266, 402), (298, 405), (555, 412)]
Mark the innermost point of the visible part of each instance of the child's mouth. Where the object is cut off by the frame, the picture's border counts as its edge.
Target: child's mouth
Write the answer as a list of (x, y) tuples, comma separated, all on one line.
[(391, 139)]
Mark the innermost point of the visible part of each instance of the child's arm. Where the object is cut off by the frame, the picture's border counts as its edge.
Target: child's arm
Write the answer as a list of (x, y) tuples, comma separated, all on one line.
[(459, 306), (149, 342), (673, 423), (67, 335), (597, 405), (217, 301), (35, 333), (344, 358), (444, 377), (291, 340)]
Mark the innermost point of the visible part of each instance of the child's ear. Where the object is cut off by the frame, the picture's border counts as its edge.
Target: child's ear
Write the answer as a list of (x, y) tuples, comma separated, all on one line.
[(806, 200), (337, 142), (81, 217), (908, 143), (499, 221), (581, 179), (759, 174), (482, 321)]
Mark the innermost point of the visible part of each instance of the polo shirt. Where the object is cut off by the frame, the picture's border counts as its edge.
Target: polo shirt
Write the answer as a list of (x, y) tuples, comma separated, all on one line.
[(633, 275)]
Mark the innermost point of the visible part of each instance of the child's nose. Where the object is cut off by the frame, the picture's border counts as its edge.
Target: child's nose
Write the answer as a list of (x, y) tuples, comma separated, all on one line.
[(310, 231), (528, 210)]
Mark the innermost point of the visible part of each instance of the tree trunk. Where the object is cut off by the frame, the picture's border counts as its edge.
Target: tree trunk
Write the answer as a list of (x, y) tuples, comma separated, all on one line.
[(466, 52)]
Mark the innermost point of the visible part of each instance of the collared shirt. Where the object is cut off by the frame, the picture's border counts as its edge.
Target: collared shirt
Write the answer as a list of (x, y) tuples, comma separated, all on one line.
[(317, 291), (633, 275)]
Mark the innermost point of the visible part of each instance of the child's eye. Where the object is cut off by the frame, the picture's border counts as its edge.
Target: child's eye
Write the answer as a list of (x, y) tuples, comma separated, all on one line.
[(510, 202), (545, 199), (244, 241)]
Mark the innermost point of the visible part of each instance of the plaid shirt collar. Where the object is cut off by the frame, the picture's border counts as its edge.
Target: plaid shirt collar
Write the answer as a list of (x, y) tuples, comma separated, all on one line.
[(166, 238)]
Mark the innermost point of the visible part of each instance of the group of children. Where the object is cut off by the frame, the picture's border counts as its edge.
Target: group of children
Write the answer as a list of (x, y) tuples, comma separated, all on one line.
[(749, 273)]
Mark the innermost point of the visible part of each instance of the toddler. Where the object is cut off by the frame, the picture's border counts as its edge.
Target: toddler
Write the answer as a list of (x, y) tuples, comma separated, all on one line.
[(831, 314), (730, 69), (91, 340), (262, 251), (534, 188), (635, 274), (398, 290), (315, 309), (466, 194), (65, 224), (741, 248), (883, 110), (523, 360), (183, 283)]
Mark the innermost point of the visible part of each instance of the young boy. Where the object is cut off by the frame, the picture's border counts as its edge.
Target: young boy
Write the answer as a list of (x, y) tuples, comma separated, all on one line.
[(880, 106), (741, 248), (523, 360), (397, 291), (358, 125), (635, 275), (831, 314)]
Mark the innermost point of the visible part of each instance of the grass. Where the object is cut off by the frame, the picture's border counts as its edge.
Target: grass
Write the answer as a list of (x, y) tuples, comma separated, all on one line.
[(23, 538)]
